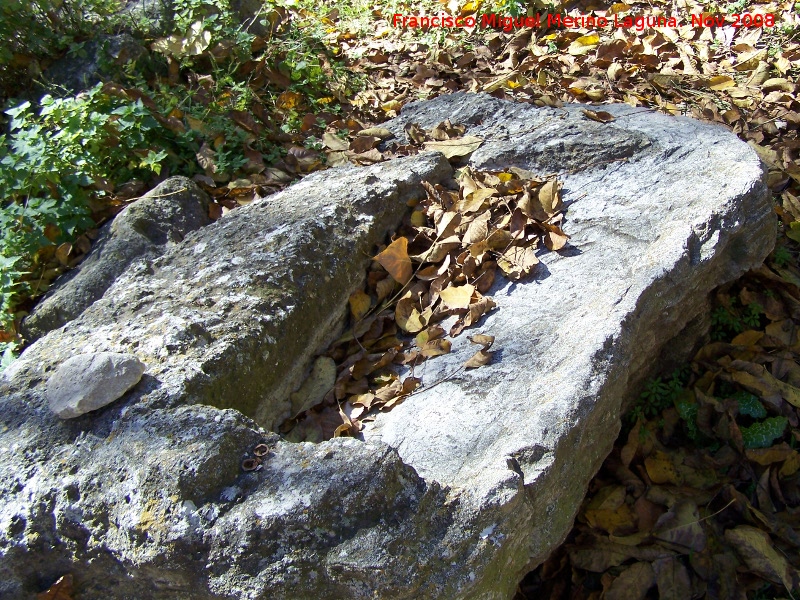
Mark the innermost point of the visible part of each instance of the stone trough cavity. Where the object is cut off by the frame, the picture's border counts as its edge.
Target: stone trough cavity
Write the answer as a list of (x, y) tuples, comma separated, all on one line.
[(455, 493)]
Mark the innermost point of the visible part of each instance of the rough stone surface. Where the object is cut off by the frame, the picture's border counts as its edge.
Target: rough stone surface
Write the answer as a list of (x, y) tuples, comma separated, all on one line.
[(87, 382), (140, 232), (455, 493), (77, 72)]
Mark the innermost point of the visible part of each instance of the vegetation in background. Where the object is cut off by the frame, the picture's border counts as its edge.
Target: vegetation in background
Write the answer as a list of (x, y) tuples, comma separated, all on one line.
[(52, 160), (44, 28), (185, 107)]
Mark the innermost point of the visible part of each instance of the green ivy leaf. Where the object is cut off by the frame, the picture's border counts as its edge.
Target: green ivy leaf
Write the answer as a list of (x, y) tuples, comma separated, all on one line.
[(763, 434), (749, 405)]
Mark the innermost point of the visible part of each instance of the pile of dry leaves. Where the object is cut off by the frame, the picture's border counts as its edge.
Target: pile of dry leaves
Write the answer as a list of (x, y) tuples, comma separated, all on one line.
[(439, 265)]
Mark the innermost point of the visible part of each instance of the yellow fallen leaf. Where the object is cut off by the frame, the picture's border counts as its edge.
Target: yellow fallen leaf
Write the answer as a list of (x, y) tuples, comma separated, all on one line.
[(661, 469), (288, 100), (457, 297), (583, 45), (479, 359), (517, 262), (721, 82), (778, 83), (619, 519), (455, 147), (475, 199), (483, 339), (407, 317), (549, 197), (379, 132), (433, 348), (359, 305), (391, 105), (747, 338), (791, 466), (478, 229), (750, 61)]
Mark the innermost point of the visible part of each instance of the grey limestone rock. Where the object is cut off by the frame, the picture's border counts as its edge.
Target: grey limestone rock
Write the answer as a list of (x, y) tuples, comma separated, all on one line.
[(456, 492), (142, 231), (77, 72), (87, 382)]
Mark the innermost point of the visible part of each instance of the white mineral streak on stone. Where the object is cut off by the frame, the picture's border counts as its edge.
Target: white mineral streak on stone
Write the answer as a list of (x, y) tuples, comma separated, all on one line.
[(87, 382)]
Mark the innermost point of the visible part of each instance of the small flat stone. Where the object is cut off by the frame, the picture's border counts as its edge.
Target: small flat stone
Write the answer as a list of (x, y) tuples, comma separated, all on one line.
[(87, 382)]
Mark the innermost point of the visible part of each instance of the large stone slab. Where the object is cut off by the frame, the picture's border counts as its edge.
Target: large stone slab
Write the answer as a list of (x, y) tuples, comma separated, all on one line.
[(458, 491), (142, 231)]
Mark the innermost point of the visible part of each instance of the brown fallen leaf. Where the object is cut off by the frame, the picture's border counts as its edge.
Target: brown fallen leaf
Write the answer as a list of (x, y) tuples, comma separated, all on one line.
[(757, 550), (396, 261), (60, 590), (672, 578), (483, 356), (517, 262), (363, 143), (478, 229), (335, 143), (433, 348), (600, 116), (479, 359), (407, 317), (633, 582)]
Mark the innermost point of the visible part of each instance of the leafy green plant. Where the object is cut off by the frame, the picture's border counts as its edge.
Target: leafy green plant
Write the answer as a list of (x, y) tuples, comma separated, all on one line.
[(659, 395), (33, 30), (781, 256), (749, 405), (737, 7), (726, 323), (53, 159), (46, 27), (687, 410)]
